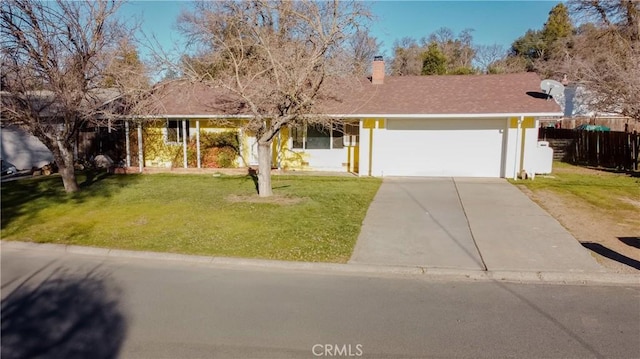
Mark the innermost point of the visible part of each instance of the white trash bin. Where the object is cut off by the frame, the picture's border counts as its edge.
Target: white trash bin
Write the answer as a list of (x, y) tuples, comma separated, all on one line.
[(543, 158)]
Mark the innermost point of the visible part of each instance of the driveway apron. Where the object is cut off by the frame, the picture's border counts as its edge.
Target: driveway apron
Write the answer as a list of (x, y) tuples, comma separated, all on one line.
[(417, 222), (465, 223), (513, 233)]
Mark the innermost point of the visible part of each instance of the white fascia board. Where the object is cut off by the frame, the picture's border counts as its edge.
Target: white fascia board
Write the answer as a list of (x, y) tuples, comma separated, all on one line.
[(192, 117), (449, 115), (364, 115)]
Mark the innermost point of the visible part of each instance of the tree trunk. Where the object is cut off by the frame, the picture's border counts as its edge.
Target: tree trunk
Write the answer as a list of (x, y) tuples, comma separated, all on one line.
[(63, 156), (264, 169)]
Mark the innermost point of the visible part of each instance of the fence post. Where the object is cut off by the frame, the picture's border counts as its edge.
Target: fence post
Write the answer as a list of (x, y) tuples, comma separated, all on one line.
[(598, 138), (636, 149)]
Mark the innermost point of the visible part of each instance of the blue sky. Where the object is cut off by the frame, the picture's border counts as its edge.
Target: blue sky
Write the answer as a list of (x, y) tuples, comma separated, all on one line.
[(498, 22)]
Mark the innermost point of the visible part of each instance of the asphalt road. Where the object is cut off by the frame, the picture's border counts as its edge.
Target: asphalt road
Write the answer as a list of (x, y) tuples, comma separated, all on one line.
[(57, 305)]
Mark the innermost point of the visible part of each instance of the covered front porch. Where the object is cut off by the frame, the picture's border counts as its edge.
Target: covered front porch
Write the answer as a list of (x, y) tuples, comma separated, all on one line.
[(181, 143)]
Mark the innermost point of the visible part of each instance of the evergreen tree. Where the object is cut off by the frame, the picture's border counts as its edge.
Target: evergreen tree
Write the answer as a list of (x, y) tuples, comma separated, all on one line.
[(434, 62), (529, 46), (558, 25)]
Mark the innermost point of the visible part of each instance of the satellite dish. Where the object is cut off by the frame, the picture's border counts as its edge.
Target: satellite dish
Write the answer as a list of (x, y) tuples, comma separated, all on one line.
[(552, 88)]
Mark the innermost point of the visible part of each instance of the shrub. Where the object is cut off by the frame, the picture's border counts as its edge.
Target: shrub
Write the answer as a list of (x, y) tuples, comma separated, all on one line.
[(219, 150)]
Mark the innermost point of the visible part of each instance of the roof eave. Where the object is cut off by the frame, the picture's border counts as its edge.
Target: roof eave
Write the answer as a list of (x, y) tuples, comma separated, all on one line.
[(369, 115), (194, 116), (451, 115)]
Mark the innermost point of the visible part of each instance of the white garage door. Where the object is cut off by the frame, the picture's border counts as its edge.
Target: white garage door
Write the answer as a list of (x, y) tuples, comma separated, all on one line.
[(440, 147)]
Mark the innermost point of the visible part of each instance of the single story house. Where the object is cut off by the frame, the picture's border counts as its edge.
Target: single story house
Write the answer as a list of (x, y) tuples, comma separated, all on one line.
[(466, 125), (578, 110), (25, 151), (22, 149)]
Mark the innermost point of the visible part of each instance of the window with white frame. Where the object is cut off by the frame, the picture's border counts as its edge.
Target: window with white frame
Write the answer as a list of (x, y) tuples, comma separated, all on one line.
[(174, 132), (317, 136)]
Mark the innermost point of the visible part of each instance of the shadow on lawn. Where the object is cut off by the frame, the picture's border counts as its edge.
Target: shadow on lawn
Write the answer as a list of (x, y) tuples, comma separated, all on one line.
[(611, 254), (28, 196), (629, 173), (66, 315), (93, 176), (631, 241), (253, 174)]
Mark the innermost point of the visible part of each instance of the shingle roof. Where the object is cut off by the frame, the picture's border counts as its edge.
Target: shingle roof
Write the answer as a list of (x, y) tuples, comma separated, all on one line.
[(399, 95)]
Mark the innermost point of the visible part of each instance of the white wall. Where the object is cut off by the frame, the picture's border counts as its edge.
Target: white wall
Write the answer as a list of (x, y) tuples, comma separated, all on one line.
[(530, 147), (364, 148), (510, 158), (528, 143), (327, 159)]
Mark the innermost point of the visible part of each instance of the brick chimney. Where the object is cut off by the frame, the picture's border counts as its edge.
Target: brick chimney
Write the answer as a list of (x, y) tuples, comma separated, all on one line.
[(377, 73)]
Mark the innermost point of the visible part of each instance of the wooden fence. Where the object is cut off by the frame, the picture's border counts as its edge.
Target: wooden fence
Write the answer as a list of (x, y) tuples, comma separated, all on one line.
[(619, 150)]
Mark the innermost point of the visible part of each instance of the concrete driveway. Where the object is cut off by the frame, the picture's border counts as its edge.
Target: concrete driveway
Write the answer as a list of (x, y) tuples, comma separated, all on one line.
[(465, 223)]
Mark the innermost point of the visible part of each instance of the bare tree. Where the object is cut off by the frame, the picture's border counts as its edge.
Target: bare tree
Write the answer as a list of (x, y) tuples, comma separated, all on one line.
[(53, 81), (271, 59), (605, 55), (407, 59), (125, 71), (459, 50), (623, 15), (486, 55), (457, 54), (441, 36), (508, 65), (363, 48)]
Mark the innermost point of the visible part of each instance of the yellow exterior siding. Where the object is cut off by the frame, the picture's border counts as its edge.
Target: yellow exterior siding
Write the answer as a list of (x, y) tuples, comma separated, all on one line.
[(286, 157), (159, 153), (371, 123), (529, 122)]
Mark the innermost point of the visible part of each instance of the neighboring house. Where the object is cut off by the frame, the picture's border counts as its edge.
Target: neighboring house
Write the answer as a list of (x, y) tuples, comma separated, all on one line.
[(468, 126), (578, 111), (23, 150), (26, 151)]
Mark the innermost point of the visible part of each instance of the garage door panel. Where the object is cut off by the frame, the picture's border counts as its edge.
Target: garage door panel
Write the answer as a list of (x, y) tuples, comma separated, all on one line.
[(444, 124), (466, 148)]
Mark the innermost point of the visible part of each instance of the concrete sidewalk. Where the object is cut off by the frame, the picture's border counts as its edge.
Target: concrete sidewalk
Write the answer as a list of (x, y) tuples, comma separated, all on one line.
[(485, 224)]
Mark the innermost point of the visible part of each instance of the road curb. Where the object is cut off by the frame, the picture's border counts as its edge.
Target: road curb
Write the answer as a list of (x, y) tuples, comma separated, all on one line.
[(579, 278)]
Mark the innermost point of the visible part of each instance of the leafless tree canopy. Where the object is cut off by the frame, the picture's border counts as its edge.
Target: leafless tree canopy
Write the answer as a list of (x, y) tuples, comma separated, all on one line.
[(274, 57), (457, 52), (487, 55), (605, 55), (362, 48), (53, 59), (407, 59)]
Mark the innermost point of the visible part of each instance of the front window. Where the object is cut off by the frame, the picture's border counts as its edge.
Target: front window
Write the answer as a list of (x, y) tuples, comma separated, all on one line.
[(174, 132), (318, 136), (297, 135)]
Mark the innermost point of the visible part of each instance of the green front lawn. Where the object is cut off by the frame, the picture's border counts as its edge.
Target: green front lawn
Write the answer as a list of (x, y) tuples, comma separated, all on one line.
[(309, 219), (615, 194)]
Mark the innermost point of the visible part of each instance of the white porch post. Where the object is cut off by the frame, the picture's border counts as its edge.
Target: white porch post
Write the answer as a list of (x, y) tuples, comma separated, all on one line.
[(516, 164), (140, 154), (127, 142), (184, 143), (198, 143)]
